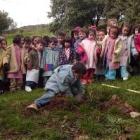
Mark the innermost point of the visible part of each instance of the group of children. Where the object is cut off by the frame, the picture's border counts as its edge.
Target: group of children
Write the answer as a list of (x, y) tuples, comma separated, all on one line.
[(29, 62)]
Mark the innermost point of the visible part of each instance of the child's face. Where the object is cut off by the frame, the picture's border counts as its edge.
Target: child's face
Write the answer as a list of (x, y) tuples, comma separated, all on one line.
[(35, 40), (4, 44), (76, 35), (39, 46), (27, 45), (60, 39), (22, 41), (113, 33), (101, 36), (52, 45), (91, 36), (77, 75), (82, 35), (112, 23), (125, 30), (67, 45), (136, 31)]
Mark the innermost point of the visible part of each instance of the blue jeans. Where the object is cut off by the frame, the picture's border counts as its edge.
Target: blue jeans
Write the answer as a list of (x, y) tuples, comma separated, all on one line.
[(45, 99), (31, 84), (124, 72), (42, 101), (109, 74)]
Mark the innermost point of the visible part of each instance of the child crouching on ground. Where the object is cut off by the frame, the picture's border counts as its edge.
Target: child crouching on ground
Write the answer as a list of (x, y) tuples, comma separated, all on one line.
[(65, 80)]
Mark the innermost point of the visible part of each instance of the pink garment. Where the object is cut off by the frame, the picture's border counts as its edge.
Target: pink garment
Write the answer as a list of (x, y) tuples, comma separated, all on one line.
[(82, 53), (110, 43), (124, 52), (17, 74), (89, 47), (67, 53)]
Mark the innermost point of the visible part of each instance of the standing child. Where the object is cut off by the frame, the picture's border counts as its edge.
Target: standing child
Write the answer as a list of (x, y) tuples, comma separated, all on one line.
[(2, 53), (60, 39), (33, 66), (67, 53), (128, 49), (75, 34), (65, 80), (89, 47), (49, 59), (111, 50), (14, 63), (100, 70), (82, 36), (137, 45)]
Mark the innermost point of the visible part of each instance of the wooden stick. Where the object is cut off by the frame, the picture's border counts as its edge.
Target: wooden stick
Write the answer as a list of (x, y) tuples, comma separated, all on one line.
[(135, 91), (110, 86)]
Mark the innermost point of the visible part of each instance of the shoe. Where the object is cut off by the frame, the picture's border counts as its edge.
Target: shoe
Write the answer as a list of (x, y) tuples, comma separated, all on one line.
[(18, 88), (1, 91), (28, 89), (125, 78), (91, 80), (85, 81), (33, 107)]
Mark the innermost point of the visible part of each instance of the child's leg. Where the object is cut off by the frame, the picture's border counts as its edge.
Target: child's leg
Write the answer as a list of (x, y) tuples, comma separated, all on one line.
[(31, 84), (112, 75), (124, 73), (1, 86), (12, 84), (42, 101), (19, 83)]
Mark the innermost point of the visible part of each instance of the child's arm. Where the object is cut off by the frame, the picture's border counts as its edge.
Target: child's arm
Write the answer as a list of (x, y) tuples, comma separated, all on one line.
[(118, 48), (30, 60), (133, 48), (80, 90), (81, 51), (7, 56)]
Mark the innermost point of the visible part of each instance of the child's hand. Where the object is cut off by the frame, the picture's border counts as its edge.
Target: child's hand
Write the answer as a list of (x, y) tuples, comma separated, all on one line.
[(29, 67), (28, 59), (6, 67), (116, 54), (136, 56)]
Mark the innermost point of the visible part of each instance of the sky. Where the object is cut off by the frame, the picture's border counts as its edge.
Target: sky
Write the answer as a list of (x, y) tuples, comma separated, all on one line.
[(27, 12)]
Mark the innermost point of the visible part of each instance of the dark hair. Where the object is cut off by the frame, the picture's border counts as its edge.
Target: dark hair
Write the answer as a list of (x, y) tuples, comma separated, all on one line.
[(75, 30), (136, 26), (46, 40), (92, 31), (79, 68), (84, 30), (68, 39), (27, 39), (60, 34), (17, 39), (40, 40), (126, 24), (115, 27), (102, 30), (4, 40), (53, 39)]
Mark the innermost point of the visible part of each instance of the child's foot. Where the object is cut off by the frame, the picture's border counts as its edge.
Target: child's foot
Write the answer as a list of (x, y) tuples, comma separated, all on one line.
[(33, 107), (28, 89), (91, 80), (125, 78), (85, 81)]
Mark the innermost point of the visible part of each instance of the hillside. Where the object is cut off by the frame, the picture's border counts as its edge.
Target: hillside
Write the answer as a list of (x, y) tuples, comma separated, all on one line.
[(40, 30)]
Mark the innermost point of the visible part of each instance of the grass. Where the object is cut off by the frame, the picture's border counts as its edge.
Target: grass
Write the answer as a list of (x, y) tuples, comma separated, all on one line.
[(67, 123)]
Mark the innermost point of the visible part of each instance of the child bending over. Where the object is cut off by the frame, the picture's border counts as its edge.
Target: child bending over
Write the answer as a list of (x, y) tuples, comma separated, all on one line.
[(65, 80)]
